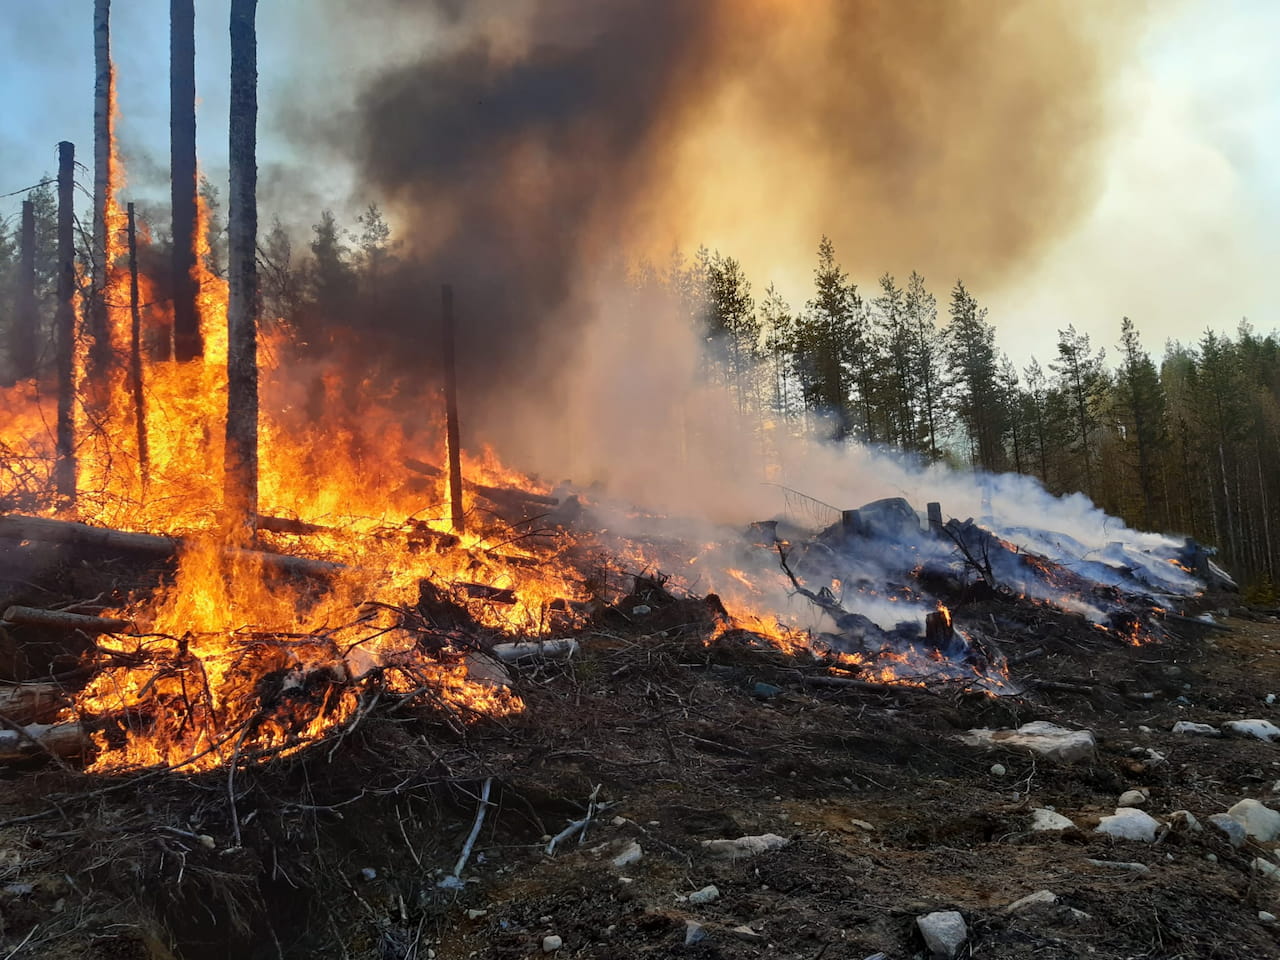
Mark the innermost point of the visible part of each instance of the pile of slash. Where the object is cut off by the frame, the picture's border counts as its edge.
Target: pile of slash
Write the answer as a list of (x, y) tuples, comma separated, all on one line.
[(586, 825)]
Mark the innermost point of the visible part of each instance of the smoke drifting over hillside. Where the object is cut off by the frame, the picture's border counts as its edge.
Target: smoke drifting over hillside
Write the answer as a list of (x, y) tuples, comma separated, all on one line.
[(521, 147)]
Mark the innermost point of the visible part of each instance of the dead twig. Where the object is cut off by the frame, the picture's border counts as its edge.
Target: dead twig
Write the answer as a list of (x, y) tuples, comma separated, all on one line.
[(454, 880)]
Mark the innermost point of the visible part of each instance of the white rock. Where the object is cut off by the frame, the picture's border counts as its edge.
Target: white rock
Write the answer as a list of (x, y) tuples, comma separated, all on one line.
[(744, 847), (474, 914), (1266, 868), (1128, 823), (1259, 821), (1196, 729), (862, 825), (707, 894), (1266, 917), (944, 932), (745, 933), (629, 855), (1132, 798), (1039, 737), (1037, 899), (1229, 825), (1121, 865), (1185, 820), (694, 932), (1042, 819), (1262, 729), (551, 944), (998, 770)]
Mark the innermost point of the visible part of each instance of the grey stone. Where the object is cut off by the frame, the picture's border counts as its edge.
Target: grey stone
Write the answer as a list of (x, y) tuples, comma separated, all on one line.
[(551, 944), (1259, 821), (744, 847), (707, 894), (944, 932), (1132, 798), (1231, 827), (1044, 820), (1260, 729), (1041, 898), (694, 932), (1128, 823), (1130, 866), (630, 854), (1195, 729)]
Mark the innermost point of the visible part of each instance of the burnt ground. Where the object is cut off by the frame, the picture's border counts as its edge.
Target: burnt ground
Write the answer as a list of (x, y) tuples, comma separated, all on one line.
[(341, 848)]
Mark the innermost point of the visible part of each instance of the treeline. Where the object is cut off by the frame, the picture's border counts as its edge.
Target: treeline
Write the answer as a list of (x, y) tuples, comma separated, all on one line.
[(1189, 444)]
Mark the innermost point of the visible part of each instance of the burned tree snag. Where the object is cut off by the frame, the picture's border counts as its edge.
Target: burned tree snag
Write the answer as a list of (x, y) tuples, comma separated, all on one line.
[(65, 326), (452, 441), (241, 470), (935, 518), (22, 344), (96, 312), (182, 158), (135, 356)]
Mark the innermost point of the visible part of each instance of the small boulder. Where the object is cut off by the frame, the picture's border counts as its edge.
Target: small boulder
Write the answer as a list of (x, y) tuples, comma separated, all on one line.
[(1195, 729), (1040, 737), (746, 934), (1128, 823), (1128, 866), (631, 853), (1044, 820), (944, 932), (1041, 898), (1184, 821), (551, 944), (1132, 798), (707, 894), (1259, 729), (1259, 821), (694, 932), (1232, 829), (1266, 868), (744, 847)]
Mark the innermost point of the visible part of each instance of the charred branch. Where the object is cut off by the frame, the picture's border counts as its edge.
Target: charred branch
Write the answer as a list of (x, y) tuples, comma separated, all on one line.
[(62, 620)]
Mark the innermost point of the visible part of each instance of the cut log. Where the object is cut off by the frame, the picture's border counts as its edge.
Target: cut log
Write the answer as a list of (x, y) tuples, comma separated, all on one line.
[(45, 530), (62, 620), (535, 650), (38, 739), (482, 591), (31, 702)]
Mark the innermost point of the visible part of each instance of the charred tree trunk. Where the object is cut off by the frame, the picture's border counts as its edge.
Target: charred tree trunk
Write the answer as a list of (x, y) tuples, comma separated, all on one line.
[(457, 519), (99, 339), (22, 343), (135, 357), (182, 158), (241, 471), (65, 328)]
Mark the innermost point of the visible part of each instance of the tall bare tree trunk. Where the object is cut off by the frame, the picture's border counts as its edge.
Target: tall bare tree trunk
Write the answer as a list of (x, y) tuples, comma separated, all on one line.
[(99, 339), (22, 343), (65, 327), (453, 443), (241, 470), (182, 158), (135, 358)]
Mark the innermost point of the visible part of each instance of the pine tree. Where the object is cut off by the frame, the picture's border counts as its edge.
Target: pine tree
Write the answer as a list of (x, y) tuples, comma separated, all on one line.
[(1142, 407), (973, 369), (779, 328), (1082, 381), (927, 374), (830, 342)]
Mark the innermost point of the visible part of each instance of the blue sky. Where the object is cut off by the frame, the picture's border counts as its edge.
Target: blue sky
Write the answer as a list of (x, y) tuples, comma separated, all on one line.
[(1182, 235)]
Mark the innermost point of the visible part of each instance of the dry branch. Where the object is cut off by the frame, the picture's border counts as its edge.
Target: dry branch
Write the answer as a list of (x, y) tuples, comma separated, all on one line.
[(45, 530), (62, 620)]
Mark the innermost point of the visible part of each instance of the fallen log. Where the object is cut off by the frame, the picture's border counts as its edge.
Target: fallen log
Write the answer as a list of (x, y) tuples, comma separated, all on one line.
[(535, 649), (289, 525), (1195, 623), (62, 620), (482, 591), (36, 739), (68, 532), (31, 702)]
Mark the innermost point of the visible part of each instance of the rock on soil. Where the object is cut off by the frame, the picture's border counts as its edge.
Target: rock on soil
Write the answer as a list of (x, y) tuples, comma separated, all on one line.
[(629, 855), (1041, 898), (1132, 798), (1042, 819), (1196, 729), (1040, 737), (1259, 821), (551, 944), (1231, 827), (744, 847), (944, 932), (1129, 824), (1261, 729), (707, 894)]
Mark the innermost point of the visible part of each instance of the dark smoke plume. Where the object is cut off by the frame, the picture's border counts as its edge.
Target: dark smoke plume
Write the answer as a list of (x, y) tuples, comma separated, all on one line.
[(530, 141)]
